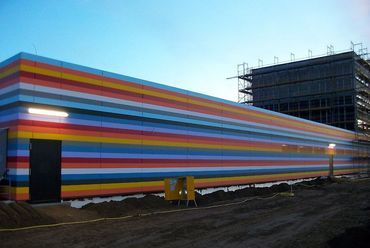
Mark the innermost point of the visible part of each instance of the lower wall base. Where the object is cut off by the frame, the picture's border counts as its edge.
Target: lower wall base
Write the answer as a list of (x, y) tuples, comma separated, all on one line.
[(91, 190)]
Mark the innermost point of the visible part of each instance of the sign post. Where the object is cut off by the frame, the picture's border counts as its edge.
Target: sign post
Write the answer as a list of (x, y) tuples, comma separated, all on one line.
[(331, 152)]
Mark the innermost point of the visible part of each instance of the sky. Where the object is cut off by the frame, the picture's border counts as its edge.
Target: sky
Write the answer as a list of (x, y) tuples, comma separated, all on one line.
[(190, 44)]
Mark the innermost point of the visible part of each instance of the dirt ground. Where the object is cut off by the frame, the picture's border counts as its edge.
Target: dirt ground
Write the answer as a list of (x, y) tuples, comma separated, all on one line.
[(321, 214)]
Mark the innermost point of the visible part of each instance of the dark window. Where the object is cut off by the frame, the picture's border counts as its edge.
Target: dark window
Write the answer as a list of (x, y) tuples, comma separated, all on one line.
[(284, 107), (348, 100), (315, 103), (303, 105)]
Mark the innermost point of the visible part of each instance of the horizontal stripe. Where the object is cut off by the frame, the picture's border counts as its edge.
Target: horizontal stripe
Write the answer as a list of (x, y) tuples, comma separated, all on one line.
[(158, 183), (240, 133), (90, 178), (157, 130), (140, 90), (173, 168), (210, 121), (243, 112), (126, 188), (56, 136), (89, 72), (148, 134), (149, 106)]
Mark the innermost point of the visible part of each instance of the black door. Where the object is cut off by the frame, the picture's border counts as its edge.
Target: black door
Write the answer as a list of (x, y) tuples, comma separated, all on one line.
[(45, 173), (3, 151)]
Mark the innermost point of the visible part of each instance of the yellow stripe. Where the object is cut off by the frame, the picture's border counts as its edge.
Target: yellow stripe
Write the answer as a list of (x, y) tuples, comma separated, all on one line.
[(97, 139), (105, 186), (346, 171), (217, 106), (261, 177), (9, 71), (52, 136), (237, 178), (80, 187), (132, 185), (199, 180), (130, 89), (19, 190), (108, 84)]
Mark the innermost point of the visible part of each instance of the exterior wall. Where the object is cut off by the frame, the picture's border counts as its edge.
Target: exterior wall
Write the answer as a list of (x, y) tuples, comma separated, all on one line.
[(125, 135)]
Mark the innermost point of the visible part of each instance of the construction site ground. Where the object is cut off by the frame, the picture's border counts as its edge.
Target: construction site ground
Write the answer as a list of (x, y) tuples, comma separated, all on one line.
[(321, 213)]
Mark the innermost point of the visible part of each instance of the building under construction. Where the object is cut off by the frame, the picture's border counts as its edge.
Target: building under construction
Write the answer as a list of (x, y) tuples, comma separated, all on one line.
[(332, 89)]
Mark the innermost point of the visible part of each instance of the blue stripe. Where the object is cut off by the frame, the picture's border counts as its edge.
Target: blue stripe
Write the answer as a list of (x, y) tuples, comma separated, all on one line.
[(161, 86), (71, 177), (10, 60)]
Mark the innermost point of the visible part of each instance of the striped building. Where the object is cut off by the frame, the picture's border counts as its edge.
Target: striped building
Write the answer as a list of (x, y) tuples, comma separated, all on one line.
[(72, 132)]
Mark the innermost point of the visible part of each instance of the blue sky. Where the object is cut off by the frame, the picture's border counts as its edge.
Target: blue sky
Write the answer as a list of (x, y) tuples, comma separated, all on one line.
[(189, 44)]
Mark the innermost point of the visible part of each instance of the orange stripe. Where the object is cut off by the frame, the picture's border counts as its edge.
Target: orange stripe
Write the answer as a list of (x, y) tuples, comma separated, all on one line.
[(252, 180), (20, 196), (85, 193), (285, 121), (220, 142), (18, 165), (183, 164)]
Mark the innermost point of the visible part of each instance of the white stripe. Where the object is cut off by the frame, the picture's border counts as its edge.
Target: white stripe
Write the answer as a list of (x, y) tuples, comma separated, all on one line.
[(186, 169), (171, 169), (172, 110), (13, 171), (20, 172), (10, 88)]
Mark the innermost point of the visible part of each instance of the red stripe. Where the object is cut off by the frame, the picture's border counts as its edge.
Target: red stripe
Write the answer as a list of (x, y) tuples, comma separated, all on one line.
[(256, 180), (158, 163), (42, 126), (105, 78), (17, 159), (23, 162), (125, 95), (37, 126), (110, 92), (89, 75), (293, 123), (117, 191)]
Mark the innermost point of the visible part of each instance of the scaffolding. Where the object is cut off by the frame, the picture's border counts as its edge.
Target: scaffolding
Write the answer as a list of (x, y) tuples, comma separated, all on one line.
[(245, 94), (331, 88)]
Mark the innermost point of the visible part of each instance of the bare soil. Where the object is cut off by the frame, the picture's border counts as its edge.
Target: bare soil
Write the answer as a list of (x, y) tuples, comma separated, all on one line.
[(321, 214)]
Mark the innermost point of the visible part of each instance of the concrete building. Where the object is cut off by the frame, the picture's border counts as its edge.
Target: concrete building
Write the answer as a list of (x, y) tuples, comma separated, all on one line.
[(332, 89)]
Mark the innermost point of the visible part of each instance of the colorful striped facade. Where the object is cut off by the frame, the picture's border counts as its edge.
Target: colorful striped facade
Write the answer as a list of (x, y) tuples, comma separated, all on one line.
[(125, 135)]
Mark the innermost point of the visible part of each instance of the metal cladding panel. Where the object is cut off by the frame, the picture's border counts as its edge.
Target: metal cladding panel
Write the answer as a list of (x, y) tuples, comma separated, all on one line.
[(125, 135)]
